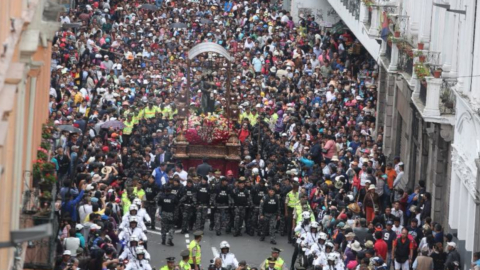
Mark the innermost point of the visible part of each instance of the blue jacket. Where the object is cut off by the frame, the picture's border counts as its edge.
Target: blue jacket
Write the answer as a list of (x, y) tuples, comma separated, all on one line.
[(158, 177), (70, 206)]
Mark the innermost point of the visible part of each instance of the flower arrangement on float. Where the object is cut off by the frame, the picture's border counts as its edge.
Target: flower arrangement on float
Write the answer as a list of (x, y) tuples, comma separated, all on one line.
[(210, 129)]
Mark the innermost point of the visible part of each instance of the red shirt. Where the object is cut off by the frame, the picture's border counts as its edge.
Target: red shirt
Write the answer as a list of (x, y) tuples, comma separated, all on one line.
[(381, 248)]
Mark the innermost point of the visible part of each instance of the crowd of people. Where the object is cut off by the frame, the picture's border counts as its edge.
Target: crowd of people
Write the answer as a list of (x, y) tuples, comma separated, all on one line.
[(312, 167)]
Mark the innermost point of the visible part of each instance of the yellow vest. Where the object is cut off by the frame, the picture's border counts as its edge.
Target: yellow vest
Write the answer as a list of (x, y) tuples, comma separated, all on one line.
[(184, 266), (150, 113), (292, 199), (279, 264), (198, 252), (165, 268), (127, 130)]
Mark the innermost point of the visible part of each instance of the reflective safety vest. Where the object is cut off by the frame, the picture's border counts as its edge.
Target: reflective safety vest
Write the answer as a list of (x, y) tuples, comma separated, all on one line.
[(292, 199), (184, 266), (150, 113), (165, 268), (127, 130), (279, 264), (195, 251)]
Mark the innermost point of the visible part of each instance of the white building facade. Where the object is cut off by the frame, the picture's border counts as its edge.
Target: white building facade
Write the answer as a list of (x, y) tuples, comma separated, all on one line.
[(431, 123)]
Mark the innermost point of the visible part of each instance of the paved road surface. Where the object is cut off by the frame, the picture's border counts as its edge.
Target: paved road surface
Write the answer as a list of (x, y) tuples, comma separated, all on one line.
[(244, 247)]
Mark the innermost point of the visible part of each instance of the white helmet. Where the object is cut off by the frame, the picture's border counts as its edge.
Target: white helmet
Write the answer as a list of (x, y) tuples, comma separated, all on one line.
[(255, 171), (140, 250), (322, 236), (331, 257), (133, 238), (329, 244), (133, 207), (306, 215), (138, 202), (133, 219), (314, 225), (350, 197), (224, 244)]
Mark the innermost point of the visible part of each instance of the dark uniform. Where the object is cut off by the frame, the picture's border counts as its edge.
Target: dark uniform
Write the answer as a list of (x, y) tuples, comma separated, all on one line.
[(221, 201), (167, 204), (258, 192), (270, 211), (151, 192), (203, 203), (177, 190), (189, 202), (241, 200)]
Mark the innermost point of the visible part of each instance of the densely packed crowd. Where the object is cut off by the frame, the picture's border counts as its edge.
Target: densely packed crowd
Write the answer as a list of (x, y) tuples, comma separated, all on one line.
[(312, 167)]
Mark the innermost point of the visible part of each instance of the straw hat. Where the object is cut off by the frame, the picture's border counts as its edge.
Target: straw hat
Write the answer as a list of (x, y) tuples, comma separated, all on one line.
[(107, 170), (354, 208)]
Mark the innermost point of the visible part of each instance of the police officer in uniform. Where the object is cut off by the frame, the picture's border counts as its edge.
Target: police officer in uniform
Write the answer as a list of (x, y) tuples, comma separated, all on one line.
[(258, 192), (170, 264), (189, 201), (166, 208), (178, 191), (291, 202), (151, 192), (221, 200), (279, 262), (204, 201), (184, 265), (269, 214), (195, 251), (241, 200)]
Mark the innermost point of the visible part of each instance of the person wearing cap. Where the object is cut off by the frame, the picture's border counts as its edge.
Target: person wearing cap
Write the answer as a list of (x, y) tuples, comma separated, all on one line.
[(195, 250), (170, 264), (242, 200), (370, 203), (221, 197), (269, 211), (63, 262), (279, 262), (291, 202), (189, 202), (183, 264), (453, 256), (167, 204), (204, 200)]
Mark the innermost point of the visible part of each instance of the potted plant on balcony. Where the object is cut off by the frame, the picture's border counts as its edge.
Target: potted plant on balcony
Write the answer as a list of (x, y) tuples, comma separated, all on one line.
[(420, 45), (421, 70), (421, 56), (437, 73)]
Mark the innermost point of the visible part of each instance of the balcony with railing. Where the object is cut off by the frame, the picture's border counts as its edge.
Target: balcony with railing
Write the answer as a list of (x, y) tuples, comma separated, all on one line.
[(351, 11), (405, 59)]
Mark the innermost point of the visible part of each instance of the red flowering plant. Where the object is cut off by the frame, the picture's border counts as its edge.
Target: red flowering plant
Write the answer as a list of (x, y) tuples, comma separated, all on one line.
[(208, 129), (44, 170), (42, 154)]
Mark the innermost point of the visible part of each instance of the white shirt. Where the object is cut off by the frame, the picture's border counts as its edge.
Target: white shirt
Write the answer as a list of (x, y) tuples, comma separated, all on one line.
[(183, 176), (229, 259), (83, 212)]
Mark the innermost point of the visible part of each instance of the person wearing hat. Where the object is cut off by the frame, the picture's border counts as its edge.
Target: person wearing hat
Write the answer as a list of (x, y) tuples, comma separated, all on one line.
[(269, 212), (195, 250), (370, 203), (242, 200), (203, 197), (453, 257), (170, 264), (189, 202), (221, 202), (65, 260), (279, 262), (270, 263), (291, 202), (167, 204), (183, 264)]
